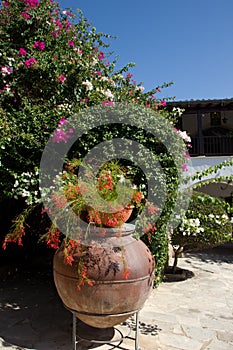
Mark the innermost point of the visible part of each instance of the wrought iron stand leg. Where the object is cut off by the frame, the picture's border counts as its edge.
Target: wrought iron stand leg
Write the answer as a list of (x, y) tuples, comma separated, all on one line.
[(74, 332), (137, 331)]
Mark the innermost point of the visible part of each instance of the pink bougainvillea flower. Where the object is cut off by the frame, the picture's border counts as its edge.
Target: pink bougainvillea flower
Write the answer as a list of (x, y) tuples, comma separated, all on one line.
[(32, 3), (62, 78), (59, 24), (68, 24), (22, 52), (163, 103), (25, 15), (30, 62), (39, 45), (6, 3), (129, 75), (61, 136), (186, 155), (108, 103), (62, 121), (101, 55), (184, 167), (55, 34), (71, 43)]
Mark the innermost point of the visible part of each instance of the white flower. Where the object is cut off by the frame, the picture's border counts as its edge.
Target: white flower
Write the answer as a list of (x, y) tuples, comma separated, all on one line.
[(64, 106), (184, 136), (94, 61), (6, 70), (140, 88), (25, 193), (121, 178), (104, 78), (88, 85), (177, 111), (108, 93), (16, 184), (10, 61)]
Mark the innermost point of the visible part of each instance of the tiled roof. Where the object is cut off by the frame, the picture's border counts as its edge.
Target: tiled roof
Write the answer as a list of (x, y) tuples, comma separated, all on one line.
[(210, 104)]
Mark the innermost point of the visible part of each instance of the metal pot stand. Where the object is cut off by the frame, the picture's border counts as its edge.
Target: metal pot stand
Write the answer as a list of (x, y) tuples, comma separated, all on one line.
[(78, 337)]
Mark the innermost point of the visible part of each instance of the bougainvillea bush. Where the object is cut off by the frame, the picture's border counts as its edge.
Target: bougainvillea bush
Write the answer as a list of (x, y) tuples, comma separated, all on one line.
[(54, 64)]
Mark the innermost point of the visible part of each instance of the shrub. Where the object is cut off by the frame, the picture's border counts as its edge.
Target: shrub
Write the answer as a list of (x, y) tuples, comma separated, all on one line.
[(205, 225)]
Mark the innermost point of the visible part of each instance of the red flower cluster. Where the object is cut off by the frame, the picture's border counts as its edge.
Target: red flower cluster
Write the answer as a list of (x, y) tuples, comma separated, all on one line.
[(53, 238)]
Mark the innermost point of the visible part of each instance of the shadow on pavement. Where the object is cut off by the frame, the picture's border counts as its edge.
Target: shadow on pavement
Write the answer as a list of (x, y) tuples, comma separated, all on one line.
[(222, 253), (31, 313)]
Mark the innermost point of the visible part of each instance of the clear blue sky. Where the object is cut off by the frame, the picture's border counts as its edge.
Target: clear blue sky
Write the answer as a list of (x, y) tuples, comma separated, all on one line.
[(189, 42)]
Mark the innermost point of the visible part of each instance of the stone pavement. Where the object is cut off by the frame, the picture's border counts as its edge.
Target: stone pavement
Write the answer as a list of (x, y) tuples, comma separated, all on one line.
[(195, 314)]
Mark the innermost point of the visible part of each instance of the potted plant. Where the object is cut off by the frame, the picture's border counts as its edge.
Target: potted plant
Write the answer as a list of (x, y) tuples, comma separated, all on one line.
[(100, 266)]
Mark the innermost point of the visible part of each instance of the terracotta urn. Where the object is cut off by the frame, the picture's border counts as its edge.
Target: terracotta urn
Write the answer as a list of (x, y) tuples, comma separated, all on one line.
[(122, 268)]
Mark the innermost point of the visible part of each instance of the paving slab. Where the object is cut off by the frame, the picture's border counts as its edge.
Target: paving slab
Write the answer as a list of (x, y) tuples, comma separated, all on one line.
[(194, 314)]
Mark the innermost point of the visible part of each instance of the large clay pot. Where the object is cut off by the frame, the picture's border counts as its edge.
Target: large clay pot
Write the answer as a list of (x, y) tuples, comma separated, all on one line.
[(112, 294)]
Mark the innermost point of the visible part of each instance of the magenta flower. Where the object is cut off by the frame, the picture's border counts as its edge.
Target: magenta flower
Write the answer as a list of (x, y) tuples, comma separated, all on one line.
[(71, 43), (184, 167), (25, 15), (6, 3), (59, 24), (129, 75), (62, 78), (39, 45), (59, 136), (62, 121), (30, 62), (163, 103), (55, 34), (108, 103), (22, 52), (186, 155), (68, 24), (101, 55), (32, 3)]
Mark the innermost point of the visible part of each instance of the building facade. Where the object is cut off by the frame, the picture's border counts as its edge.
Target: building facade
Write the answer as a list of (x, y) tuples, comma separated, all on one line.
[(209, 123)]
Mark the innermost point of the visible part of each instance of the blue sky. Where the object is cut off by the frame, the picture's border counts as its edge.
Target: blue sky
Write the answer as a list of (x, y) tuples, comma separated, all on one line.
[(189, 42)]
